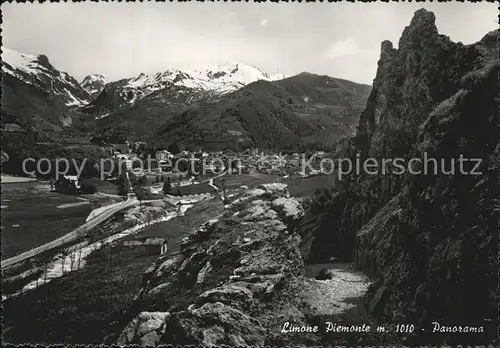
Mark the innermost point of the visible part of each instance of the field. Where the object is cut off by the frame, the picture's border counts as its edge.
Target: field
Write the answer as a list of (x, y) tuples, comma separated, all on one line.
[(194, 189), (302, 187), (31, 217), (104, 186), (84, 306), (234, 181)]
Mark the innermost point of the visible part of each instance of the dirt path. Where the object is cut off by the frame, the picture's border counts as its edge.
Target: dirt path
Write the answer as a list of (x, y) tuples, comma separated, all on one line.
[(8, 179), (216, 188), (337, 295)]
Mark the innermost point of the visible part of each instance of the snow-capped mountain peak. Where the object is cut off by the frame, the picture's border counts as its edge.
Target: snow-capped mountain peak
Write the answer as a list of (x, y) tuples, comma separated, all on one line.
[(219, 79), (212, 80), (236, 72), (14, 60), (36, 70), (94, 84), (94, 77), (279, 76)]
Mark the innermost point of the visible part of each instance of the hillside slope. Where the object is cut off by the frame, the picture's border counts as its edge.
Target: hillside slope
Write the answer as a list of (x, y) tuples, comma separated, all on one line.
[(430, 239), (290, 113), (142, 119)]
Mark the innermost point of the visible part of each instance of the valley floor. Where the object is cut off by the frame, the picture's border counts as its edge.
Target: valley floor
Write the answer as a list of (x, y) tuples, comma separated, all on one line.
[(32, 216)]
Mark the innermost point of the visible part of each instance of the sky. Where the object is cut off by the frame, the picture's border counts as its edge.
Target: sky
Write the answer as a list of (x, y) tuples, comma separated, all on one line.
[(121, 40)]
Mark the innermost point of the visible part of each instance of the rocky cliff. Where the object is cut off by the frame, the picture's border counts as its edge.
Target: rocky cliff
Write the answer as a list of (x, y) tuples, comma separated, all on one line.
[(430, 239), (230, 283)]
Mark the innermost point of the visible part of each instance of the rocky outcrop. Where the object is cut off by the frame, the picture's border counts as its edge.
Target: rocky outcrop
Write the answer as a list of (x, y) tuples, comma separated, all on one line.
[(5, 157), (434, 244), (430, 238), (234, 281), (145, 329)]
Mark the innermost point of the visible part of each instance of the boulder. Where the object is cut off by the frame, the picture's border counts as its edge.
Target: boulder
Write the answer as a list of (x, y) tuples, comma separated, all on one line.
[(203, 272), (145, 329), (158, 289), (214, 324), (288, 208), (325, 274), (231, 295), (169, 266), (275, 190)]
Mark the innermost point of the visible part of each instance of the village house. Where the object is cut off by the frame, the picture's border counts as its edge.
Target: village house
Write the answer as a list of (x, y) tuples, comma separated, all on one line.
[(150, 246), (121, 148), (15, 130), (165, 166), (68, 184), (13, 127), (254, 152), (163, 155), (200, 154), (155, 246)]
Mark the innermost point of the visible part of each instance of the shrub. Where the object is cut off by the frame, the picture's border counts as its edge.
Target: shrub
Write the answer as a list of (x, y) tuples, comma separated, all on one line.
[(88, 186), (166, 186)]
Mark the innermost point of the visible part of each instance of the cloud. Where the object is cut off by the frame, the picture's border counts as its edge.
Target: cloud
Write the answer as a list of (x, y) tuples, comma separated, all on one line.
[(343, 48), (263, 22)]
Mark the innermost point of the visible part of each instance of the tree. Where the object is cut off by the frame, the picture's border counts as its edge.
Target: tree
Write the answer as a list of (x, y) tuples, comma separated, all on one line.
[(167, 186), (90, 169), (137, 164), (123, 184), (174, 148), (223, 186), (138, 186), (142, 148), (87, 186), (141, 193), (177, 191), (143, 180)]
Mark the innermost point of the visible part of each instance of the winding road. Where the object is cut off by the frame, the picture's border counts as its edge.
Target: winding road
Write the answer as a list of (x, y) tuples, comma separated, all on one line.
[(93, 220), (73, 235)]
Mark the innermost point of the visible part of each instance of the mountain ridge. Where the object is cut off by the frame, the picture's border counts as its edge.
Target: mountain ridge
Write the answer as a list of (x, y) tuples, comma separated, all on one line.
[(37, 95), (290, 113), (142, 106), (295, 107), (213, 80)]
